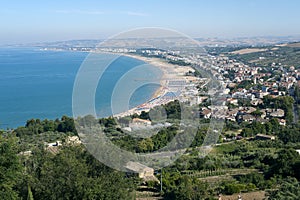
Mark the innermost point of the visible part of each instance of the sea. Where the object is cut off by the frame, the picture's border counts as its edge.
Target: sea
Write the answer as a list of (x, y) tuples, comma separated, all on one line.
[(38, 84)]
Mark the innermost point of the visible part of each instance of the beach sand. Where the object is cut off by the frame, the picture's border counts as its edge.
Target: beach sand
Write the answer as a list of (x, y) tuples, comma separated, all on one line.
[(170, 72)]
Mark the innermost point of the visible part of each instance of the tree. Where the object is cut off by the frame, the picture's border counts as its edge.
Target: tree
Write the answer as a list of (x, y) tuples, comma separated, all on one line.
[(233, 188), (10, 168), (288, 190), (144, 115), (257, 113), (187, 188), (62, 177), (145, 145), (284, 163), (245, 84), (75, 174), (254, 178), (66, 125), (269, 127), (275, 125), (290, 134), (247, 132)]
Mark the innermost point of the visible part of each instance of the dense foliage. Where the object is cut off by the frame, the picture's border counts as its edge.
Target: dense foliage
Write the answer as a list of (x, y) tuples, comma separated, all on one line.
[(72, 173)]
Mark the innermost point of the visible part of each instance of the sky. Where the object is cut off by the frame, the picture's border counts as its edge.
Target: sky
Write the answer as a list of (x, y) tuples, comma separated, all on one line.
[(55, 20)]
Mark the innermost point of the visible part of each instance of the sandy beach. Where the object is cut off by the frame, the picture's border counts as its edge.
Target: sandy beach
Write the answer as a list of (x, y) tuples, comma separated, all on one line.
[(170, 73)]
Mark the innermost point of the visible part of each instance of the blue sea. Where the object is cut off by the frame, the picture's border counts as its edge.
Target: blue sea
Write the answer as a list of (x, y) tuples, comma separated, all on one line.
[(39, 84)]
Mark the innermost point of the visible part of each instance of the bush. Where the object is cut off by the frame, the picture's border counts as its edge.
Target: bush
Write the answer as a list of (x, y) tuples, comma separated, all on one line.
[(233, 188)]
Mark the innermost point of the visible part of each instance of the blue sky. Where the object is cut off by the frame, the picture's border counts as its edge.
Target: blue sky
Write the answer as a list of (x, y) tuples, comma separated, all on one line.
[(35, 20)]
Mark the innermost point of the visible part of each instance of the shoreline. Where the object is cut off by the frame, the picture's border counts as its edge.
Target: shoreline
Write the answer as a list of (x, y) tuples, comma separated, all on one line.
[(169, 72), (156, 63)]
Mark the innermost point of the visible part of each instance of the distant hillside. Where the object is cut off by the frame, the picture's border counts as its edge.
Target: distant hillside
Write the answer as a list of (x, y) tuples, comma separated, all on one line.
[(69, 44), (248, 50), (294, 45), (280, 55)]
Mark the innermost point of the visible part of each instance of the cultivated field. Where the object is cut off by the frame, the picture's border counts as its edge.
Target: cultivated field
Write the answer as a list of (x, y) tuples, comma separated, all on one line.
[(246, 51)]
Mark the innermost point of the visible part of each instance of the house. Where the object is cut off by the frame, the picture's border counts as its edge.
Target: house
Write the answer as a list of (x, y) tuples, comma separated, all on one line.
[(263, 113), (261, 94), (264, 137), (249, 110), (129, 129), (256, 102), (233, 112), (206, 113), (230, 118), (53, 147), (277, 113), (232, 85), (248, 118), (282, 122), (220, 113), (54, 144), (140, 122), (73, 140), (144, 172), (232, 101), (262, 121), (25, 153)]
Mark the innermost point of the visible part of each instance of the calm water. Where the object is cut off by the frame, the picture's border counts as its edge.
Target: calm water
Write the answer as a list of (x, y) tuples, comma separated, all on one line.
[(39, 84)]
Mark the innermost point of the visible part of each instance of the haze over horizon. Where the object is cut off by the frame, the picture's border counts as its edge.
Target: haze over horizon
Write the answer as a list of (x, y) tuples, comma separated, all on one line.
[(34, 21)]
